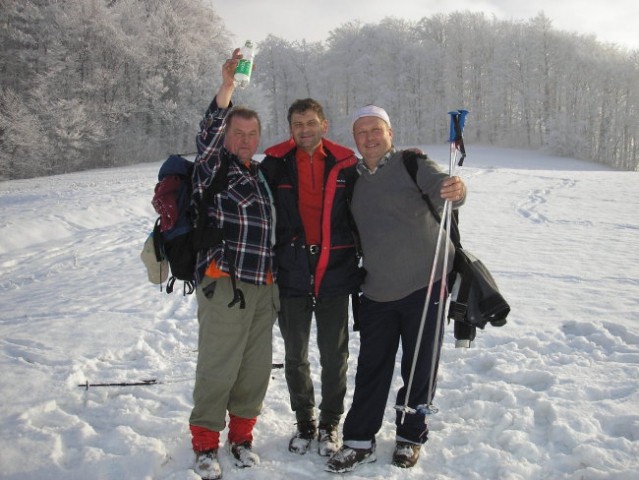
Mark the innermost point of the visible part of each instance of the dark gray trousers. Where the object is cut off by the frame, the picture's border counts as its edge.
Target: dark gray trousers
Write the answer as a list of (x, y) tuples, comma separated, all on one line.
[(331, 316)]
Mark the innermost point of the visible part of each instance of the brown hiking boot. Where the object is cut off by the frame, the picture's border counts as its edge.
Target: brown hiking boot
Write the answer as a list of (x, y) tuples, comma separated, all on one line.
[(327, 439), (207, 465), (243, 455), (301, 441), (406, 454), (347, 458)]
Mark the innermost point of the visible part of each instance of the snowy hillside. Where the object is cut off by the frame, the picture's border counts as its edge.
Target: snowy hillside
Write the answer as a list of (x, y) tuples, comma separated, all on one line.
[(552, 395)]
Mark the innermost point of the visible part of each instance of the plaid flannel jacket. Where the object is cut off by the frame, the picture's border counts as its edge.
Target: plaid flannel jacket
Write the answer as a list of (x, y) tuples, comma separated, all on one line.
[(244, 210)]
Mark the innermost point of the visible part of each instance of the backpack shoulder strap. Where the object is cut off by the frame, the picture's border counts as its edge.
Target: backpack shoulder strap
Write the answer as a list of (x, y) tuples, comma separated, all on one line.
[(219, 183), (409, 158), (206, 237)]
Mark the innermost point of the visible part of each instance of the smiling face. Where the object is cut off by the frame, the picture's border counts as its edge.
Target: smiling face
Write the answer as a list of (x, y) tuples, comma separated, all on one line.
[(373, 137), (307, 129), (242, 137)]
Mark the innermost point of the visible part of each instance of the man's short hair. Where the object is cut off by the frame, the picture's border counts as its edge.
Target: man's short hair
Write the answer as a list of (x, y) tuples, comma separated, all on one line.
[(245, 113), (304, 104)]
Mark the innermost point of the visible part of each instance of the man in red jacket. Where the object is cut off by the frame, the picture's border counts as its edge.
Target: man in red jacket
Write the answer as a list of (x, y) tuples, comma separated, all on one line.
[(311, 179)]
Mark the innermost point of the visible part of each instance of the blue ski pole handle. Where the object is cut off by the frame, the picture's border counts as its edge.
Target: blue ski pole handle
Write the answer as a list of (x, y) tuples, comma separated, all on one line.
[(457, 120)]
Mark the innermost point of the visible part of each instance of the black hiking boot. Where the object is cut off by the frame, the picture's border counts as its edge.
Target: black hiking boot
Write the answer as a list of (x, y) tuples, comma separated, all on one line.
[(301, 441)]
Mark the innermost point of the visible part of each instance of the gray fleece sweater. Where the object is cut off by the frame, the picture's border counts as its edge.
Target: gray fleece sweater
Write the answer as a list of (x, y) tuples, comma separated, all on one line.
[(397, 231)]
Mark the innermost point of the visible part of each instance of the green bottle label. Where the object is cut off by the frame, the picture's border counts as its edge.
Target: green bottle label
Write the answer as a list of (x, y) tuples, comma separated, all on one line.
[(244, 67)]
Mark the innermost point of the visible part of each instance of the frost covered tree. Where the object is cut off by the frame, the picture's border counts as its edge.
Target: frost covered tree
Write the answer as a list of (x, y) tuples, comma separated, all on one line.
[(101, 83), (284, 72), (526, 84), (96, 83)]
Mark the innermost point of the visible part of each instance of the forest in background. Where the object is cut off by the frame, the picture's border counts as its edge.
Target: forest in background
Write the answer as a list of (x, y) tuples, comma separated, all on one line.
[(99, 83)]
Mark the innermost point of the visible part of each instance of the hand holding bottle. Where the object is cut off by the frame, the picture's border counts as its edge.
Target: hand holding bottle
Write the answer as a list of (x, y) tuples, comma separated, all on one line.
[(223, 96), (229, 67)]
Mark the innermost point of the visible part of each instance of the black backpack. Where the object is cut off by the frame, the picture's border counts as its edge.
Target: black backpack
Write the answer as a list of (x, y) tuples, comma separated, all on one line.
[(179, 232), (475, 297)]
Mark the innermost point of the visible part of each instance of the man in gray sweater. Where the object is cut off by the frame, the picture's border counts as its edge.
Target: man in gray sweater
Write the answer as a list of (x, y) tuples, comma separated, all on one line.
[(398, 238)]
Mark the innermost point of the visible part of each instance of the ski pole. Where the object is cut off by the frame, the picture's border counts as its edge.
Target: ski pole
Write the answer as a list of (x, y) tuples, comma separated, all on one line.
[(456, 139), (405, 408), (457, 120), (150, 381)]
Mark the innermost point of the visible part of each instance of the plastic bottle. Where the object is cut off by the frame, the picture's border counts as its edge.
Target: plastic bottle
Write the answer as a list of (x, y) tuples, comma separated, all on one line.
[(245, 66)]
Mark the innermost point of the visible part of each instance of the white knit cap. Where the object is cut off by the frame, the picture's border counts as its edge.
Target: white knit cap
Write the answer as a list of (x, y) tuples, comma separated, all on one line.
[(371, 111)]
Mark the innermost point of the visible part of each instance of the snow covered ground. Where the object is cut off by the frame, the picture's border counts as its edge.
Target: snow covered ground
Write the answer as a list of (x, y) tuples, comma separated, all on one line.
[(552, 395)]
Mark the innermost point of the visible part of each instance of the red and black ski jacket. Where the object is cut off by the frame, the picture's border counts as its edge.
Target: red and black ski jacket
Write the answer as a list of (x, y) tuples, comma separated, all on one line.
[(337, 271)]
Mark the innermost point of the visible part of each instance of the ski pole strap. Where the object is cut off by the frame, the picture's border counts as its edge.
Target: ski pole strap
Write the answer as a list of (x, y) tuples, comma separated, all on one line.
[(457, 120)]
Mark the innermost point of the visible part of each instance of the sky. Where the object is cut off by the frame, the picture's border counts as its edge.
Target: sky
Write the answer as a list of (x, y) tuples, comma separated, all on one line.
[(553, 394), (610, 20)]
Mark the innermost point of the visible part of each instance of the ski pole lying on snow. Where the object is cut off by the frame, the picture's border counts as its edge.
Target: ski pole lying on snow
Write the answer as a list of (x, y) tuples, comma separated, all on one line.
[(150, 381), (457, 118)]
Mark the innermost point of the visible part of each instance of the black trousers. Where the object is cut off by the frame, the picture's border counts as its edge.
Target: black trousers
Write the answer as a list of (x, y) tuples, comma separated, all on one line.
[(383, 325)]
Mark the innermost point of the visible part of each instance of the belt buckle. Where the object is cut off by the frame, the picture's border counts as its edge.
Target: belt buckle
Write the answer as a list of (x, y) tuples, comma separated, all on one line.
[(313, 249)]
